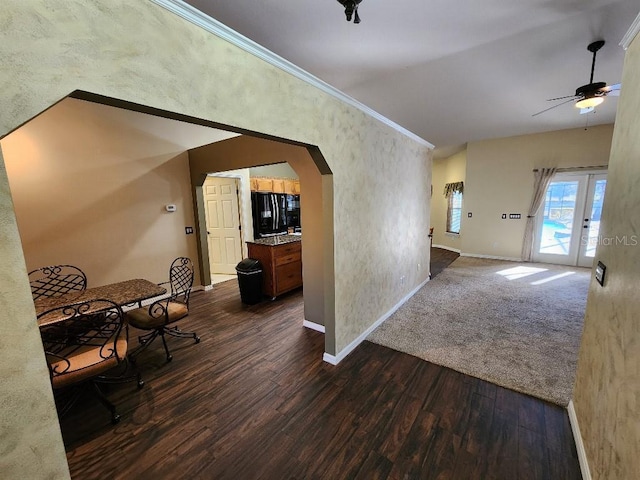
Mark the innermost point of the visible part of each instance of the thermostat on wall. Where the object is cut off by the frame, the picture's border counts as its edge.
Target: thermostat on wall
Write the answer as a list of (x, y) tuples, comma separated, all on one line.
[(170, 208)]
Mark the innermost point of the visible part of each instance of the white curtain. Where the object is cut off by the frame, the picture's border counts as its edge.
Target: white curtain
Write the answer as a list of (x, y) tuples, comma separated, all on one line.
[(543, 178)]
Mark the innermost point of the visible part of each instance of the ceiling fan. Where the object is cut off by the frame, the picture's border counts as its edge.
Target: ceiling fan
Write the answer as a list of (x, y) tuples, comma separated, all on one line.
[(588, 96)]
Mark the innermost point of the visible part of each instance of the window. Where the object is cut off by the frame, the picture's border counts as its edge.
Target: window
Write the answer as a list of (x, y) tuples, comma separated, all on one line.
[(454, 212)]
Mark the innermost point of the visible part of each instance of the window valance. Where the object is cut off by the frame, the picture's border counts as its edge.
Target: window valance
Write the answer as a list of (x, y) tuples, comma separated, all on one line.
[(455, 187)]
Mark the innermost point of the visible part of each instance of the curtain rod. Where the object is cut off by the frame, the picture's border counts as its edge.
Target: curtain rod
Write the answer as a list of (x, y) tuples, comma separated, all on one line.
[(572, 169)]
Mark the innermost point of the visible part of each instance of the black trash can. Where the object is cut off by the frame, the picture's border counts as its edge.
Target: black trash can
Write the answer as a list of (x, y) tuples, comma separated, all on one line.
[(250, 280)]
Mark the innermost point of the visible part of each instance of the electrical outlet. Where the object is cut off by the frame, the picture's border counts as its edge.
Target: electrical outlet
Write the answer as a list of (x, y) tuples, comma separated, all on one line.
[(402, 280), (188, 230), (469, 215)]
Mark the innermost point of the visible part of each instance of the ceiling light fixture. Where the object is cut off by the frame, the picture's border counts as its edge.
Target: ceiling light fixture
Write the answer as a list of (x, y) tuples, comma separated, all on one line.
[(588, 102), (351, 8)]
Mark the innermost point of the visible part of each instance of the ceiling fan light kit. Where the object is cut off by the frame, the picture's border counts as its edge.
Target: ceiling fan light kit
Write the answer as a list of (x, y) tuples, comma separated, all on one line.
[(592, 94), (589, 102), (351, 9)]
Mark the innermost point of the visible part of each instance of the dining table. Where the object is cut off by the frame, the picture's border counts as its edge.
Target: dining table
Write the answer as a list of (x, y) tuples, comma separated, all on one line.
[(127, 292)]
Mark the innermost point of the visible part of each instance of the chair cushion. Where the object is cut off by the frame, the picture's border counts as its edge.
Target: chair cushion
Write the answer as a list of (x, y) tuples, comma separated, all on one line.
[(142, 319), (86, 362)]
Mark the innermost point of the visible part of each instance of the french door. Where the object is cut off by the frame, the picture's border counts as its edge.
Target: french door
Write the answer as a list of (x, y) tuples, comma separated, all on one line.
[(568, 224)]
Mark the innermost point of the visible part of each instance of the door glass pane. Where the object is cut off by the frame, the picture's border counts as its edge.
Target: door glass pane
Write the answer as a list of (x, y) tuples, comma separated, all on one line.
[(594, 219), (559, 211)]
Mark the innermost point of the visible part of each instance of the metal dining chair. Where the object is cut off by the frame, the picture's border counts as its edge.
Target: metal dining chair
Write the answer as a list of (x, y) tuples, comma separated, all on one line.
[(56, 280), (162, 314), (82, 342)]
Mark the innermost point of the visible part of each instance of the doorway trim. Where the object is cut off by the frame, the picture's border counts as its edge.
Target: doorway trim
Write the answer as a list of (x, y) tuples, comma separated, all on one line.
[(237, 221), (246, 226), (319, 306)]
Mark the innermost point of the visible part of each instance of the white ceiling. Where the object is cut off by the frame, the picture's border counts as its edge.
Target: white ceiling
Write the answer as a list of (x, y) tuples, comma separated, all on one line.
[(449, 71)]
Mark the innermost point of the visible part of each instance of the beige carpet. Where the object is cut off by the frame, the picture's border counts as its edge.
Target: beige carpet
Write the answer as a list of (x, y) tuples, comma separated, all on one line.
[(514, 324)]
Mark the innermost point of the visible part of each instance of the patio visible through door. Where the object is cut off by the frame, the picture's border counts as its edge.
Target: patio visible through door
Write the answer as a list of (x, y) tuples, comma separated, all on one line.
[(568, 225)]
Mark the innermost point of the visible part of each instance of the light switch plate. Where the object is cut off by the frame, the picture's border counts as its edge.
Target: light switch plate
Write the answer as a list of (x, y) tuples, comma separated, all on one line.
[(601, 269)]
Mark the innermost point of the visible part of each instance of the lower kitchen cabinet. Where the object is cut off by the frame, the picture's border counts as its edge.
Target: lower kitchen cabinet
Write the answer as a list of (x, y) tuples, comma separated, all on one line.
[(281, 266)]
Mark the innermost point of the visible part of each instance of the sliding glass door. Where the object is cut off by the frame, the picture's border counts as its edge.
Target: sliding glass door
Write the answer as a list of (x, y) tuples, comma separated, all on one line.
[(567, 229)]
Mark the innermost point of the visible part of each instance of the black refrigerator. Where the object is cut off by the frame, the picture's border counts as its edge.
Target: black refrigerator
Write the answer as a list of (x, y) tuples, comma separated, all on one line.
[(293, 212), (269, 214)]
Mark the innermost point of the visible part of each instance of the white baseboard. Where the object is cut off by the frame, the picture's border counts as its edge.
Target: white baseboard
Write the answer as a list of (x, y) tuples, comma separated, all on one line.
[(582, 454), (444, 247), (332, 359), (335, 359), (313, 326), (491, 257)]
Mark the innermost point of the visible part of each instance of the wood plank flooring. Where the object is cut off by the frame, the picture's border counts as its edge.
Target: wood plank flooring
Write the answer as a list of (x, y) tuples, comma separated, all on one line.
[(254, 400), (441, 259)]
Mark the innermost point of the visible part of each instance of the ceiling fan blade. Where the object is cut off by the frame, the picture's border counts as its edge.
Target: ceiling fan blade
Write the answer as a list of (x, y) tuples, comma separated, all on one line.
[(561, 98), (610, 88), (613, 90), (551, 108), (586, 110)]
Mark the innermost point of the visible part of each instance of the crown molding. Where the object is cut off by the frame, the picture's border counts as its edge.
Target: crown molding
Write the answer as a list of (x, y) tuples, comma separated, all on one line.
[(631, 33), (211, 25)]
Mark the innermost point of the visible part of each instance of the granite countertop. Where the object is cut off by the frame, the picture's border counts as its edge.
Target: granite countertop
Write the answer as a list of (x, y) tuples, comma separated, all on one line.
[(122, 293), (277, 240)]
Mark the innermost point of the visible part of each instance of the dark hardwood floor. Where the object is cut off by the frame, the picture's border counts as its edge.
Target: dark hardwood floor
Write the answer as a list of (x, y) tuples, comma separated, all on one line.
[(441, 259), (254, 400)]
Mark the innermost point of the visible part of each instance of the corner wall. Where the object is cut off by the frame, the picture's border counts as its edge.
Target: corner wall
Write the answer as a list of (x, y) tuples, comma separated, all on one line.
[(499, 179), (90, 189), (139, 52), (607, 389)]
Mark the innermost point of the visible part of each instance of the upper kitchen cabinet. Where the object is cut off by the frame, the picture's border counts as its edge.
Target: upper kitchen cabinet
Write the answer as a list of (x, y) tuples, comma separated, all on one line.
[(275, 185), (292, 187), (278, 185), (262, 184)]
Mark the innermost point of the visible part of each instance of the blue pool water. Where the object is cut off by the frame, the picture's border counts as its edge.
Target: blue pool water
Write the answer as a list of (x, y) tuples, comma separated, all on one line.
[(553, 224)]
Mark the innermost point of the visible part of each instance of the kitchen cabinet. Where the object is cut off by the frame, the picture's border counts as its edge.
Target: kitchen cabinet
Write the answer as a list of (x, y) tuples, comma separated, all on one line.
[(263, 184), (292, 187), (281, 265), (275, 185), (278, 185)]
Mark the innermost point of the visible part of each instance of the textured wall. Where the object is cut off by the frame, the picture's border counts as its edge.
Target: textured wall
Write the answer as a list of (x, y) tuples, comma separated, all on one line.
[(500, 180), (607, 390), (123, 49), (30, 439), (85, 182)]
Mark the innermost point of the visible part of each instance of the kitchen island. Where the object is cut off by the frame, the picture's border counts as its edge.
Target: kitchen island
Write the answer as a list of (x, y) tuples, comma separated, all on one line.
[(281, 259)]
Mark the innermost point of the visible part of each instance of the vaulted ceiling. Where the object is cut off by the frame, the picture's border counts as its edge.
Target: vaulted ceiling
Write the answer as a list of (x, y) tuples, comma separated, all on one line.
[(449, 71)]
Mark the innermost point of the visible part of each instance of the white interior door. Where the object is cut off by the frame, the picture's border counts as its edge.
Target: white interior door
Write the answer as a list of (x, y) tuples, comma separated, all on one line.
[(569, 219), (223, 224)]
